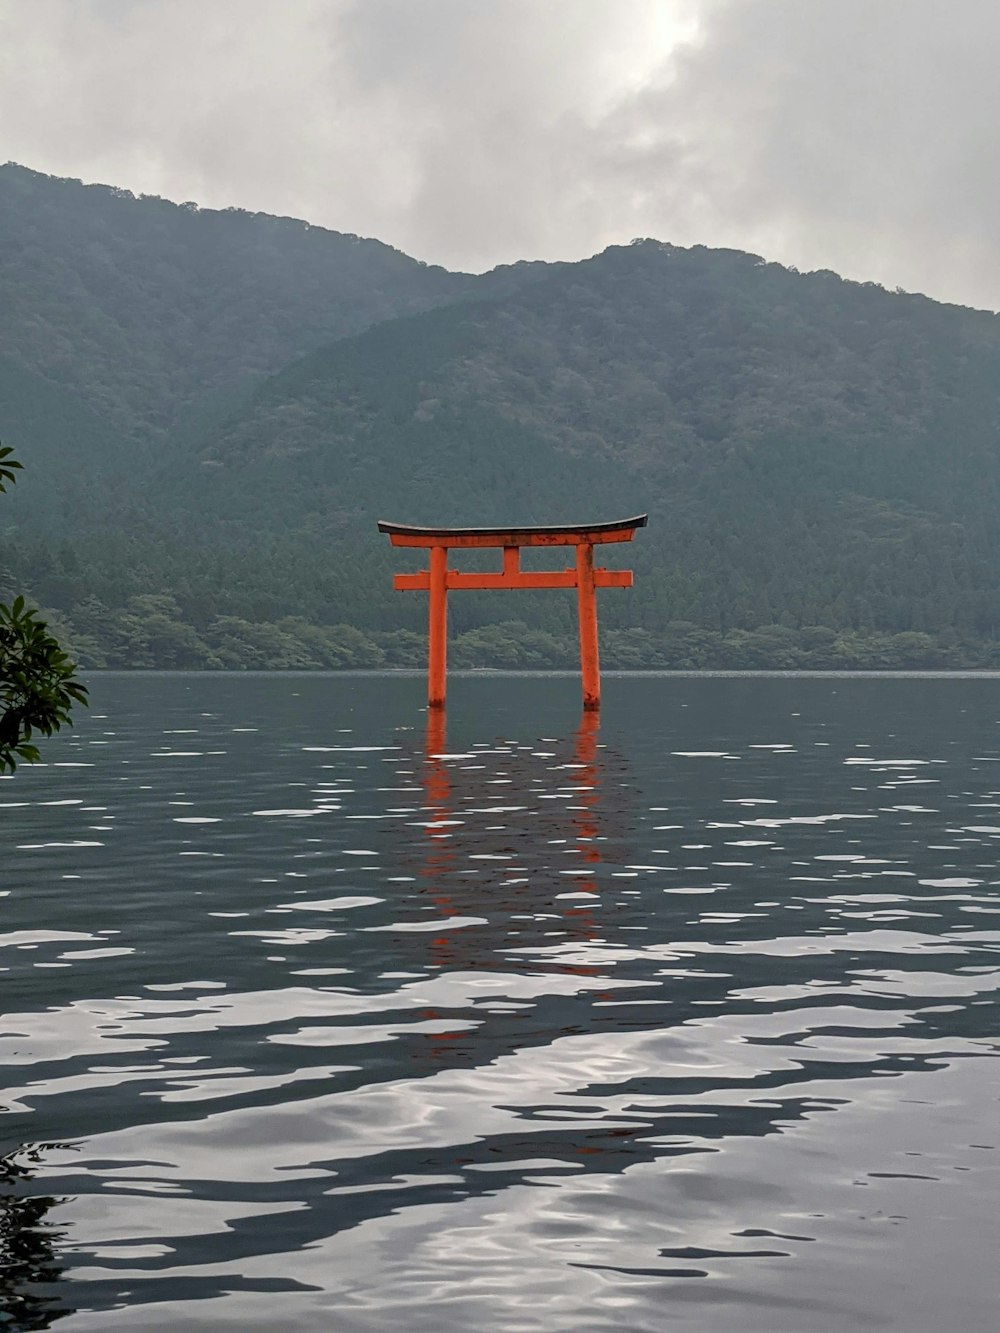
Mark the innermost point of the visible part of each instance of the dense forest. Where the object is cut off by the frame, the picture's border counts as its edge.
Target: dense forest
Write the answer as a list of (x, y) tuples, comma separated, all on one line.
[(213, 408)]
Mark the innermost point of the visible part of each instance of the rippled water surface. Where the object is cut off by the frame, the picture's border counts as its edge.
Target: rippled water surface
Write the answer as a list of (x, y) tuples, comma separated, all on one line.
[(317, 1018)]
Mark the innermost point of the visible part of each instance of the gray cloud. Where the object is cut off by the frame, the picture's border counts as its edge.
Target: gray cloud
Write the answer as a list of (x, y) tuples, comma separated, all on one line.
[(860, 135), (853, 135)]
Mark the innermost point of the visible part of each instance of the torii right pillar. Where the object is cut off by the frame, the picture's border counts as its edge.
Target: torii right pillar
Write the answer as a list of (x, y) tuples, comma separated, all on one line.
[(586, 609), (438, 580)]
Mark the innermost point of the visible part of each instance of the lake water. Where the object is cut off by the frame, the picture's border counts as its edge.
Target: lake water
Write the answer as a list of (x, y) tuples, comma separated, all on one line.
[(316, 1019)]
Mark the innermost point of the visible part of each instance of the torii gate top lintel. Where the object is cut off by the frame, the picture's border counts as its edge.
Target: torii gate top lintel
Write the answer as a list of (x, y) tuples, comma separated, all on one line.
[(438, 579), (560, 534)]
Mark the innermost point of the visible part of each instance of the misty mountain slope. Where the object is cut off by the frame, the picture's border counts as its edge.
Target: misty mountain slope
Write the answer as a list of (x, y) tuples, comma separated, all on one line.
[(142, 307), (72, 461), (370, 425), (811, 451), (819, 458), (671, 363)]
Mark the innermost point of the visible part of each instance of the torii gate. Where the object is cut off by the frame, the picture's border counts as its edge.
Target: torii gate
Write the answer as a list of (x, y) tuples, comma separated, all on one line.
[(438, 579)]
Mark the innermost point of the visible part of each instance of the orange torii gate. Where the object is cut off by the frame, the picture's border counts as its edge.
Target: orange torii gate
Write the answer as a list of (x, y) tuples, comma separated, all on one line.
[(438, 579)]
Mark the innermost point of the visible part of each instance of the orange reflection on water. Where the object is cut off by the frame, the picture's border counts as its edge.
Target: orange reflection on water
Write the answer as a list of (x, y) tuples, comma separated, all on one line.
[(512, 840), (537, 821), (586, 815)]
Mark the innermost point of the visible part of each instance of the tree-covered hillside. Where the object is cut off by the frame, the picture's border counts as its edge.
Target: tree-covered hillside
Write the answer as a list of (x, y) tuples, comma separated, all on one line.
[(820, 460), (152, 311)]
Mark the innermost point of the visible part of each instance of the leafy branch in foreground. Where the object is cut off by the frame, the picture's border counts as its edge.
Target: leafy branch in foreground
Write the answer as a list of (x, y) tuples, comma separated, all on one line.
[(8, 466), (38, 684)]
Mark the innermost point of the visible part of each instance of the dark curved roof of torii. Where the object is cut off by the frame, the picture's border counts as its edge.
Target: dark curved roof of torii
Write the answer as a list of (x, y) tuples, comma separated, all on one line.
[(560, 529)]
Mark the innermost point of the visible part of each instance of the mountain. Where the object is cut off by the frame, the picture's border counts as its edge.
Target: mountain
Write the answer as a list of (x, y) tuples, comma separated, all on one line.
[(148, 310), (820, 458)]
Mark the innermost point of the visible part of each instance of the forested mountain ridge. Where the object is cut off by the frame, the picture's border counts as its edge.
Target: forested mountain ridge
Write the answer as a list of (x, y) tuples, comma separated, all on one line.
[(820, 459), (143, 307), (662, 361), (815, 453)]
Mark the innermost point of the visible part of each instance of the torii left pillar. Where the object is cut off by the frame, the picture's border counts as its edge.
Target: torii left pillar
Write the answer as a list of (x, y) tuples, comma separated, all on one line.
[(437, 579)]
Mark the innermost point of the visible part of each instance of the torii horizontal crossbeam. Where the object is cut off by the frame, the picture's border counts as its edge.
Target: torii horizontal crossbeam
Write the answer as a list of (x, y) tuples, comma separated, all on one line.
[(522, 578)]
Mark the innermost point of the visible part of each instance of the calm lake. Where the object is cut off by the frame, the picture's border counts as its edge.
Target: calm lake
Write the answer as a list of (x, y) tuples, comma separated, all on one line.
[(314, 1018)]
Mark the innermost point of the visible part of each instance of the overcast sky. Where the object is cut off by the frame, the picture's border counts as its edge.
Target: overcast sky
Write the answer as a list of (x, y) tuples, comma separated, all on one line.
[(858, 135)]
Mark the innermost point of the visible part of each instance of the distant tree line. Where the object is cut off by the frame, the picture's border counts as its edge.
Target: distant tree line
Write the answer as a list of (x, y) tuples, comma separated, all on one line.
[(150, 632)]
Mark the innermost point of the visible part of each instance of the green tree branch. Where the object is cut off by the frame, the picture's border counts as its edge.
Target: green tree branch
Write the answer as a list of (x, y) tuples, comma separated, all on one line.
[(38, 684)]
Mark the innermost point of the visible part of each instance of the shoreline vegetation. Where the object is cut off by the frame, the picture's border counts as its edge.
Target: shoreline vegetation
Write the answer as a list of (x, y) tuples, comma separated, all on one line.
[(149, 633)]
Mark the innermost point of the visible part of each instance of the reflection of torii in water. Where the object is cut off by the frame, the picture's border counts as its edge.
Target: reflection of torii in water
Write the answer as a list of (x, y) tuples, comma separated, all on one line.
[(437, 580), (452, 799), (463, 947)]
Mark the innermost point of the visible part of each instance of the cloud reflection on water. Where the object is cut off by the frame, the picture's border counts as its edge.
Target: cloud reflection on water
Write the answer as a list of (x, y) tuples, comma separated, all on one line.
[(708, 1067)]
